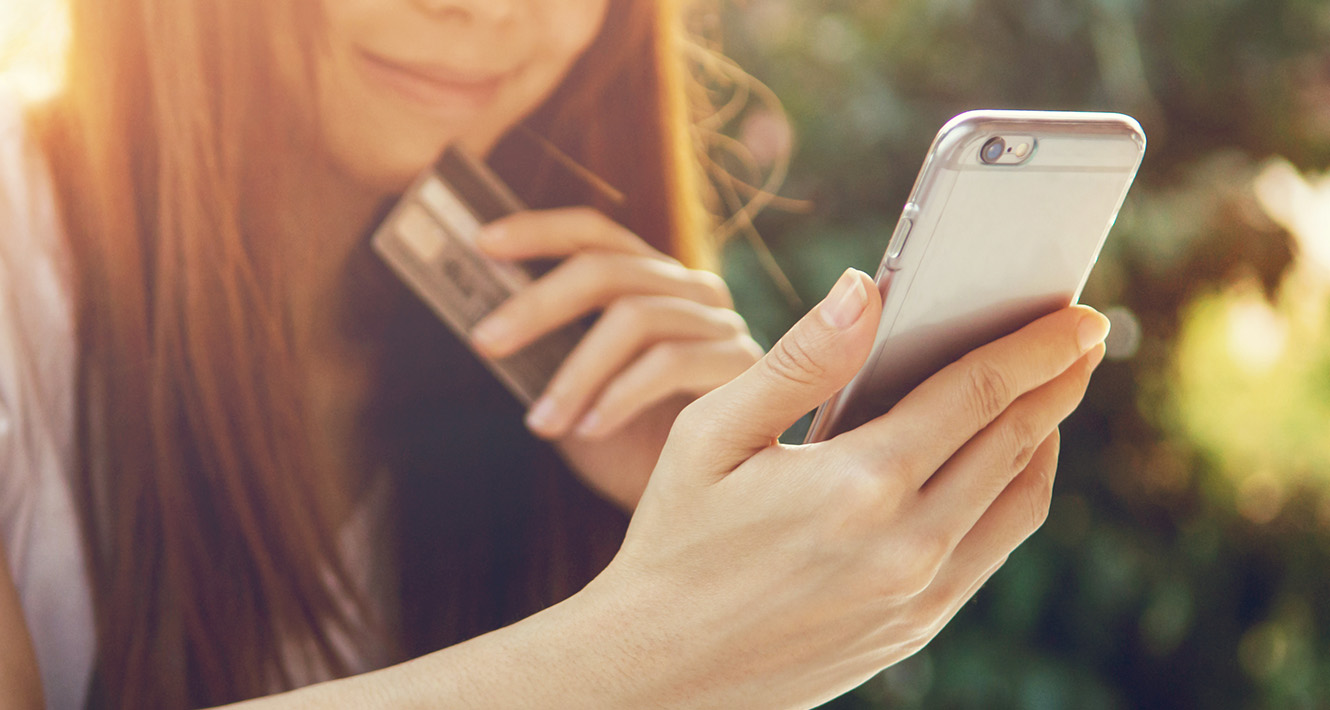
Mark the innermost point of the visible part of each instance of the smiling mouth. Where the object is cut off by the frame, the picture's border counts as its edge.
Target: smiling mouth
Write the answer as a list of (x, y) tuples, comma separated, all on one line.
[(436, 88)]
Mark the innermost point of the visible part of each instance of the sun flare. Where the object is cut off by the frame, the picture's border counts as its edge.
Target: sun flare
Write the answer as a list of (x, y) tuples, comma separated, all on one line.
[(33, 35)]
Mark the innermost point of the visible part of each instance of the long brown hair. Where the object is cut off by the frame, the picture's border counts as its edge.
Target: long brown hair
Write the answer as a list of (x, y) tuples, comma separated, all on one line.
[(208, 537)]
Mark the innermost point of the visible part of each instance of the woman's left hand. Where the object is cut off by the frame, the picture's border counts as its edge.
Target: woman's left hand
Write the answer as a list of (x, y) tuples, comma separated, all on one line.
[(666, 335)]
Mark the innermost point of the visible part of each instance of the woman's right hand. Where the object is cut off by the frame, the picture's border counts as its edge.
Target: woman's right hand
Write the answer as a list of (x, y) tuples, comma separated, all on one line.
[(769, 576), (756, 575)]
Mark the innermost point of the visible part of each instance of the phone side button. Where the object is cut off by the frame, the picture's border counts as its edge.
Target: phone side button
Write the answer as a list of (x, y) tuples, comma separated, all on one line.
[(884, 283), (897, 243), (882, 272)]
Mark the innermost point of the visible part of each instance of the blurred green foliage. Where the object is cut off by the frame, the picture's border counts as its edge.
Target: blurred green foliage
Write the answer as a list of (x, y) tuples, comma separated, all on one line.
[(1186, 562)]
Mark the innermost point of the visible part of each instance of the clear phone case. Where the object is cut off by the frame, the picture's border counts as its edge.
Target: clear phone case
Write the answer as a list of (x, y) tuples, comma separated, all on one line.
[(988, 243)]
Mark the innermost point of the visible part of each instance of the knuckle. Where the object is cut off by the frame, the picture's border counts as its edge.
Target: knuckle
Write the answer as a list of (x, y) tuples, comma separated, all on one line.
[(1023, 438), (671, 362), (918, 567), (791, 360), (590, 271), (734, 322), (1038, 497), (875, 483), (988, 390), (713, 287), (865, 500), (861, 499), (664, 356), (630, 316), (696, 419)]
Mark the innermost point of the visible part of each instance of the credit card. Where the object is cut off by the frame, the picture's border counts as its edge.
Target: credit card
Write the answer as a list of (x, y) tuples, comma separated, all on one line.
[(429, 241)]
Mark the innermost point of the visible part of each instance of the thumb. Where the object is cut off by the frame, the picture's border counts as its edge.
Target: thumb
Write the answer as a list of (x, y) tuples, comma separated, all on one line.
[(809, 364)]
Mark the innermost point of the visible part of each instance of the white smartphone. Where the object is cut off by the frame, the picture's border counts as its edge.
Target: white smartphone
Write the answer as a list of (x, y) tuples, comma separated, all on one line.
[(1003, 226)]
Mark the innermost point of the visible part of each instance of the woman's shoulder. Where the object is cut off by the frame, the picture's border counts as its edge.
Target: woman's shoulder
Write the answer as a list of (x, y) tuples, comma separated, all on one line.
[(32, 249), (29, 221), (38, 523), (36, 320)]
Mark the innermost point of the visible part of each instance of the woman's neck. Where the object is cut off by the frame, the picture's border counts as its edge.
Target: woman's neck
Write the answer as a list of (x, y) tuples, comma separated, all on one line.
[(322, 222)]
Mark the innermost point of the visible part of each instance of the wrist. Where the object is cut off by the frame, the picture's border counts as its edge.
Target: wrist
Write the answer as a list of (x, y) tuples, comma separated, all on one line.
[(600, 649), (613, 646)]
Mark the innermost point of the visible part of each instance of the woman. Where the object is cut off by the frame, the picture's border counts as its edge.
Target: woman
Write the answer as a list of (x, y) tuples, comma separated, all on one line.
[(237, 458)]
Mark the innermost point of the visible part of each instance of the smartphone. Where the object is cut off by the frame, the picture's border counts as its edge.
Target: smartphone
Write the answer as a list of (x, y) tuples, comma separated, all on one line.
[(428, 240), (1003, 226)]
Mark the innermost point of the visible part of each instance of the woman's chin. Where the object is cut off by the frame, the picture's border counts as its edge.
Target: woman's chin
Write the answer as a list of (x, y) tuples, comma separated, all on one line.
[(384, 173), (393, 169)]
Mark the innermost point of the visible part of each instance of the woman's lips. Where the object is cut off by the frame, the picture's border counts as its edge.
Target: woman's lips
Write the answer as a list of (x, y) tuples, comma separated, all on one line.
[(437, 89)]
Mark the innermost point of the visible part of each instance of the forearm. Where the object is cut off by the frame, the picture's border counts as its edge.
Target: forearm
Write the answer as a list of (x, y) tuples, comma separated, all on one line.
[(578, 655)]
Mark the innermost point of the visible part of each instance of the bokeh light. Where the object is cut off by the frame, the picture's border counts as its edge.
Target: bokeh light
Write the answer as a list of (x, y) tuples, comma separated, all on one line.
[(1253, 371), (33, 36), (1184, 563)]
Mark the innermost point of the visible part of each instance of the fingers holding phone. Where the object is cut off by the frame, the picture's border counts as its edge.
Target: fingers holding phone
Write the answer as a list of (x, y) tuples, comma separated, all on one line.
[(863, 546)]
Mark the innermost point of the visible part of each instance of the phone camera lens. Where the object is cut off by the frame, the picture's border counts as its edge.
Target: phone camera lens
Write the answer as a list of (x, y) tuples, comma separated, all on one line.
[(993, 150)]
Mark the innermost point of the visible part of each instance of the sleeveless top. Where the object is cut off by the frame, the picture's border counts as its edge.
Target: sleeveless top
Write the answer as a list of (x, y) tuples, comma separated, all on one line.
[(38, 521)]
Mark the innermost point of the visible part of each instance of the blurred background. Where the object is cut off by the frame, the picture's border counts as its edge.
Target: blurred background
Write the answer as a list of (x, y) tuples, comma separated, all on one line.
[(1186, 562)]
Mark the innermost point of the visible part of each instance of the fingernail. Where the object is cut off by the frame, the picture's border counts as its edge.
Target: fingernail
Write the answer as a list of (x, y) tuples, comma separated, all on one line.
[(843, 306), (543, 415), (590, 425), (1096, 357), (1092, 330), (491, 333)]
